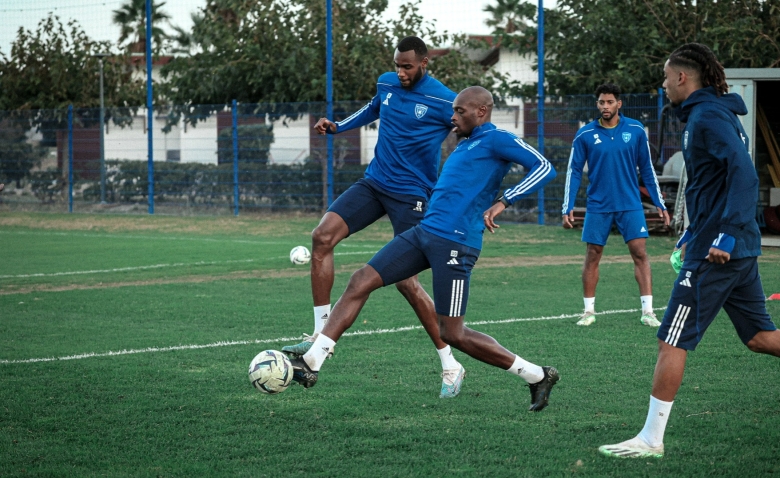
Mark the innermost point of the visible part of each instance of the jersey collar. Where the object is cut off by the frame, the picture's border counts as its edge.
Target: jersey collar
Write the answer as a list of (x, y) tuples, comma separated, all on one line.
[(485, 127), (420, 83)]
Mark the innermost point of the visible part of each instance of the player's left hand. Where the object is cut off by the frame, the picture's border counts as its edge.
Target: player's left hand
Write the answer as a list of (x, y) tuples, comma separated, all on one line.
[(717, 256), (491, 214), (664, 214)]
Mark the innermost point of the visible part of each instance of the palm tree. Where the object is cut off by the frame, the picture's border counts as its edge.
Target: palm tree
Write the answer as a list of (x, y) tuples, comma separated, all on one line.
[(131, 18), (509, 15), (184, 41)]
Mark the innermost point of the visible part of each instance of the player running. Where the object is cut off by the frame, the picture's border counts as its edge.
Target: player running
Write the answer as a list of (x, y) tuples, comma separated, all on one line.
[(613, 146), (415, 111), (723, 241), (448, 241)]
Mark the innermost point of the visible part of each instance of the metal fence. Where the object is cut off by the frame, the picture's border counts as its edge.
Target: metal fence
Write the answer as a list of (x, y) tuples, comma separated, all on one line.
[(217, 159)]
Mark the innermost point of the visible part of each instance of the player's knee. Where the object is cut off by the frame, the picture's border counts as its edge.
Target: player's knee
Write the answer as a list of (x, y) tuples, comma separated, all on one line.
[(756, 346), (323, 239), (408, 287), (363, 282), (763, 343), (639, 257), (593, 255), (450, 335), (759, 346)]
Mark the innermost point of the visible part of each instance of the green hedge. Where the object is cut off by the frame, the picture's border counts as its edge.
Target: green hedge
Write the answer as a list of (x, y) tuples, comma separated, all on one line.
[(261, 185)]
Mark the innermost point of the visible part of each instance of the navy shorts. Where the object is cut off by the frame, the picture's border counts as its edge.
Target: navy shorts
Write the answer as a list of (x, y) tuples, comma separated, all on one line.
[(417, 250), (702, 288), (364, 203), (631, 225)]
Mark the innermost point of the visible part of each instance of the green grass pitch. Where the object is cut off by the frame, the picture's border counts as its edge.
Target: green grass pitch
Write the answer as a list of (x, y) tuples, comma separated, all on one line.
[(125, 342)]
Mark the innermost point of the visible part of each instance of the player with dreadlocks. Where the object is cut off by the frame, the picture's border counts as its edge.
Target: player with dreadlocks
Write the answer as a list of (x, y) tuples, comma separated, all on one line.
[(721, 245)]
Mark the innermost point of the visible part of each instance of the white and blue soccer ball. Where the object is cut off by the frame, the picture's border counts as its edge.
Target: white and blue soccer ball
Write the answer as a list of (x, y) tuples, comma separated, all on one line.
[(300, 255), (270, 372)]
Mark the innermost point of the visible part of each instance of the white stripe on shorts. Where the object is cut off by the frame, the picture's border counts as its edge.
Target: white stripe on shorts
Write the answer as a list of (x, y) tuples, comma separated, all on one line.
[(456, 298), (677, 325)]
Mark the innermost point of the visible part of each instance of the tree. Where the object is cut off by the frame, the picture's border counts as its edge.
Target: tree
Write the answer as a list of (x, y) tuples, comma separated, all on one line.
[(271, 51), (509, 15), (54, 67), (131, 19), (17, 155), (182, 41), (627, 41)]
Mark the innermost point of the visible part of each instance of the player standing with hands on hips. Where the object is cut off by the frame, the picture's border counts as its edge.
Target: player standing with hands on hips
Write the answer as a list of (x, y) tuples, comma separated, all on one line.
[(720, 267), (448, 241), (613, 146), (414, 110)]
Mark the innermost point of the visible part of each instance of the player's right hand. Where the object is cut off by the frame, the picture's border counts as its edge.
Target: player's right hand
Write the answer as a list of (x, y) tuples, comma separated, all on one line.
[(568, 220), (325, 124)]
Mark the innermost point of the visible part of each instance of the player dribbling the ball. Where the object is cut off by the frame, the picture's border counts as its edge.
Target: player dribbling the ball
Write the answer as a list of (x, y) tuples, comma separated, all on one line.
[(448, 241)]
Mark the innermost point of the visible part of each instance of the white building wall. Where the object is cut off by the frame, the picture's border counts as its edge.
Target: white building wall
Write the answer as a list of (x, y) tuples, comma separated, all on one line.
[(518, 67), (291, 141), (368, 140), (199, 143)]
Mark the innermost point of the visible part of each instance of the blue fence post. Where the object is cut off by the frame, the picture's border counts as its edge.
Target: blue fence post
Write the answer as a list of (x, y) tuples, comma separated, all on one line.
[(70, 158), (329, 90), (149, 105), (235, 158), (540, 107)]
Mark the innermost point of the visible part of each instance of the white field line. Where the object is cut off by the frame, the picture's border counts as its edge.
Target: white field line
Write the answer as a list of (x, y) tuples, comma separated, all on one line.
[(290, 339), (158, 238), (147, 238), (160, 266)]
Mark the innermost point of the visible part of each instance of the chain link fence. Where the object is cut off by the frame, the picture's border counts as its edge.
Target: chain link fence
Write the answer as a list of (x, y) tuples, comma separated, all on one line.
[(217, 159)]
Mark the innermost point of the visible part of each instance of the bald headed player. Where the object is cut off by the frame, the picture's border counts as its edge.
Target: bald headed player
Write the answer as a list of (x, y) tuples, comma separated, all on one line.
[(448, 241)]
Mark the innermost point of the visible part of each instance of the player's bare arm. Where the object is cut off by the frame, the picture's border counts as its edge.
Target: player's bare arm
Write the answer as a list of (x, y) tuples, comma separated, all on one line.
[(323, 125)]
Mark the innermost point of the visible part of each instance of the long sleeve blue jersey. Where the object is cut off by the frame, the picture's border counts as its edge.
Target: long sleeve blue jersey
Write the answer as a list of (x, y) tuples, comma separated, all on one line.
[(470, 180), (722, 191), (414, 123), (613, 155)]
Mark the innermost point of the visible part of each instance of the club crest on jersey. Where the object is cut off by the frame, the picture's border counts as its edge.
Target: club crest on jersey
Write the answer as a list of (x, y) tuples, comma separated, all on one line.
[(626, 137), (474, 144), (387, 98), (420, 110)]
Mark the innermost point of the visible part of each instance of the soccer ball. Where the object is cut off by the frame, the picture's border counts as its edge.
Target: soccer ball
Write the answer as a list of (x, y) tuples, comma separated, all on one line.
[(270, 372), (300, 255)]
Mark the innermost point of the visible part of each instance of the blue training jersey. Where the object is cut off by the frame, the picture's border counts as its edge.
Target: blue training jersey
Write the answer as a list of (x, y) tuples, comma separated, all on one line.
[(470, 180), (414, 123), (613, 156)]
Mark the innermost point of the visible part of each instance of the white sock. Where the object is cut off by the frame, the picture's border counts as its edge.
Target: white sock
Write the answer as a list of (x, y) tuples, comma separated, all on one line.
[(529, 372), (647, 303), (321, 313), (448, 362), (655, 425), (318, 352), (590, 303)]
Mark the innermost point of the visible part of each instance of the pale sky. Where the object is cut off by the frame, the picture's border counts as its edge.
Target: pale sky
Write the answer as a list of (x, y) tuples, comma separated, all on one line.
[(455, 16)]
